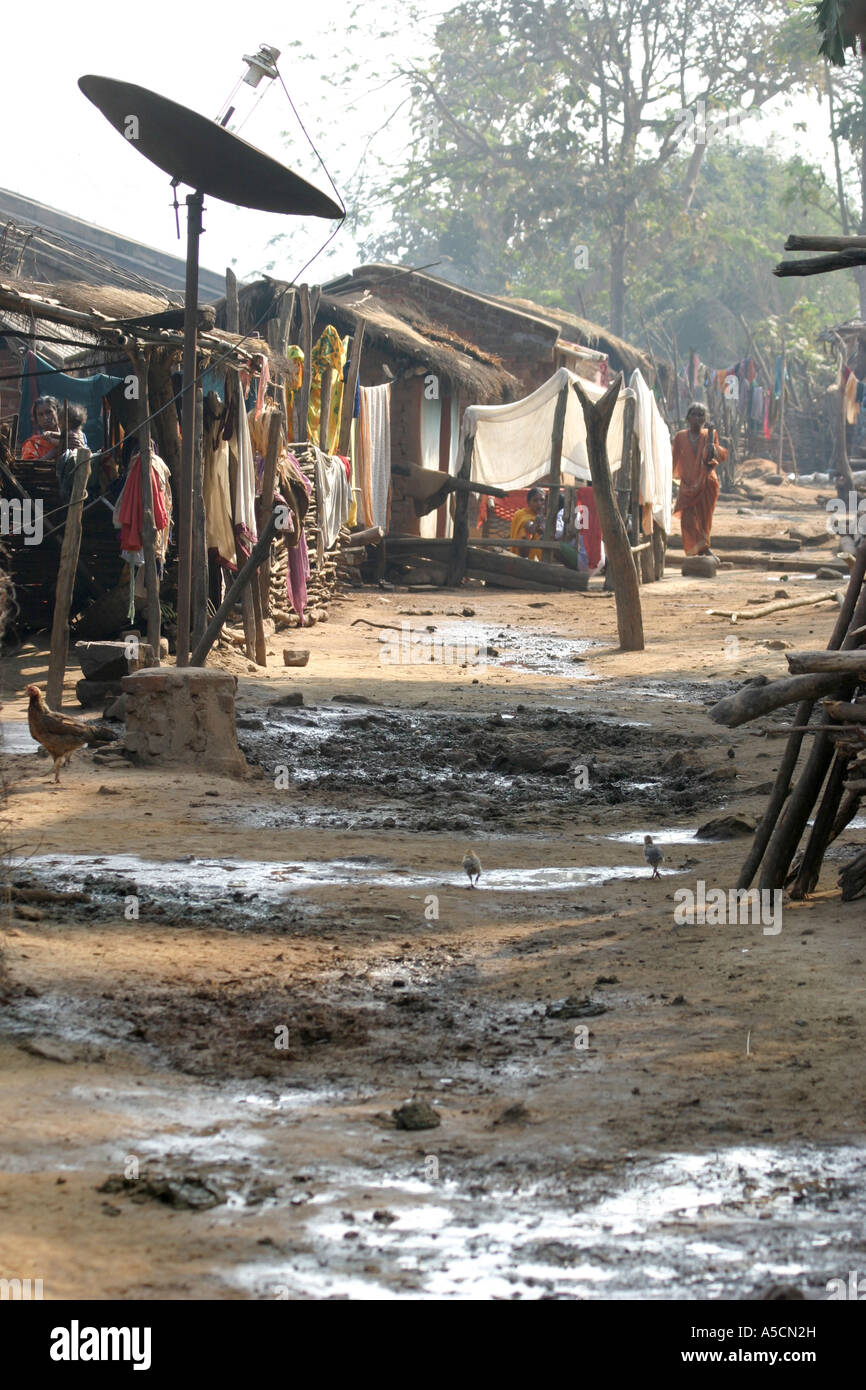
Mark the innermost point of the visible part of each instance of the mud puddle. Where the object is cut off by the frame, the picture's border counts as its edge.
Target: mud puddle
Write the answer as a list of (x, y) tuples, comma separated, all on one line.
[(267, 886), (431, 769), (690, 1226), (481, 646)]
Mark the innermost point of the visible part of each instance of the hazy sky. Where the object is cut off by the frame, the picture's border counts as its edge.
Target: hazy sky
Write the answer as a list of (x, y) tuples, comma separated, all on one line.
[(61, 151)]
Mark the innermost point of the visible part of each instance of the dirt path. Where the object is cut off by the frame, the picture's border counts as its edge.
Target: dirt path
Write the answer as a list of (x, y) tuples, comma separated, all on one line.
[(627, 1106)]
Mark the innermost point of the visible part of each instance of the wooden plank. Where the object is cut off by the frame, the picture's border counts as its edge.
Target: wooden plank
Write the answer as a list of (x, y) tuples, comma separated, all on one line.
[(460, 539), (233, 315), (847, 663), (236, 590), (350, 388), (65, 580), (757, 700), (555, 463)]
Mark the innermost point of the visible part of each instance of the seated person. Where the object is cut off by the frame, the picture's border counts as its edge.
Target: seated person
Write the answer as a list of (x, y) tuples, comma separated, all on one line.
[(528, 522), (72, 438), (45, 441)]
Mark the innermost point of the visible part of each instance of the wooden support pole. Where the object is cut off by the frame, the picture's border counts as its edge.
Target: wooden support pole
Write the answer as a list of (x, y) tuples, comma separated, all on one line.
[(199, 527), (629, 618), (753, 701), (460, 539), (265, 504), (65, 581), (325, 412), (350, 388), (555, 462), (235, 591), (233, 315), (782, 405)]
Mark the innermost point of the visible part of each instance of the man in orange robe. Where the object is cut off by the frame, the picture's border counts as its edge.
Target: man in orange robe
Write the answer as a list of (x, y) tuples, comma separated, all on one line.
[(694, 463)]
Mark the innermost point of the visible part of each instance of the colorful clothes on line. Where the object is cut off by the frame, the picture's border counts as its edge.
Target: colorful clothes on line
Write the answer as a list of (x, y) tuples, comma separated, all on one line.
[(328, 355)]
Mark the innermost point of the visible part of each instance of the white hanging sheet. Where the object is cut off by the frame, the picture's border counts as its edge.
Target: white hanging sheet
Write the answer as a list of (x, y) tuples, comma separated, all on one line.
[(656, 455), (512, 442)]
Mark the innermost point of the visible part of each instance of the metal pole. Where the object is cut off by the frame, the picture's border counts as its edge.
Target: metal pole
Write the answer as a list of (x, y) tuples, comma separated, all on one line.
[(194, 204)]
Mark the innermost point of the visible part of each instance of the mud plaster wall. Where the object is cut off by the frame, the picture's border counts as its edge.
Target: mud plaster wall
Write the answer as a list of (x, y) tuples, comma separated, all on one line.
[(185, 716)]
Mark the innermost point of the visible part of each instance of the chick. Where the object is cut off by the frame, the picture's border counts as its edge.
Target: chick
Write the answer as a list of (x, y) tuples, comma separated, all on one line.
[(472, 865), (653, 855)]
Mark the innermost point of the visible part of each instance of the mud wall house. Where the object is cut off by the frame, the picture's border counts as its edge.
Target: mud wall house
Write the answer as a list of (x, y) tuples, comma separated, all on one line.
[(83, 329)]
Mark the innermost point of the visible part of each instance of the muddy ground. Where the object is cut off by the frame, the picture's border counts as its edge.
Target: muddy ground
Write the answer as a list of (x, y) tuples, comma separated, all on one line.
[(201, 1057)]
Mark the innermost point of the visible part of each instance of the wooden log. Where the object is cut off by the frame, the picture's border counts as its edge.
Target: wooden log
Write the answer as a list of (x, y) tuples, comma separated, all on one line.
[(620, 559), (65, 581), (756, 700), (507, 581), (534, 571), (350, 388), (460, 538), (842, 663), (763, 610), (235, 591), (325, 413), (233, 313), (821, 265), (810, 867), (773, 836), (264, 504), (659, 549), (555, 462), (844, 713), (825, 243), (772, 544), (370, 535)]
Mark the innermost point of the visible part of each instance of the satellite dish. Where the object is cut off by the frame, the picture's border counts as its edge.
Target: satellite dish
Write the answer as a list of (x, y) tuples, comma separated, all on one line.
[(198, 152)]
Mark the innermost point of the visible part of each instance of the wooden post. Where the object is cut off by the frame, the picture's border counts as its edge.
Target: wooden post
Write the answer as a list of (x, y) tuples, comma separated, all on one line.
[(350, 387), (233, 313), (266, 503), (236, 589), (199, 526), (629, 619), (306, 344), (65, 581), (325, 411), (555, 462), (782, 405), (460, 539)]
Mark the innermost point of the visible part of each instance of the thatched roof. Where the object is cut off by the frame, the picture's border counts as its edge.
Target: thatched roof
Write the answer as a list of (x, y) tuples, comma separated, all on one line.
[(399, 328), (104, 315), (623, 356)]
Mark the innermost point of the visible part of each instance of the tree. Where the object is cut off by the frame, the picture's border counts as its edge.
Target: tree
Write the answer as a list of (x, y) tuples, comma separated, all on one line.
[(538, 119)]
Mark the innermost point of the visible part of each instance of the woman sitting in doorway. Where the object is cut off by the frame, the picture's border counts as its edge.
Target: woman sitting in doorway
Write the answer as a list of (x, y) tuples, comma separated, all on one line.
[(528, 522), (45, 440)]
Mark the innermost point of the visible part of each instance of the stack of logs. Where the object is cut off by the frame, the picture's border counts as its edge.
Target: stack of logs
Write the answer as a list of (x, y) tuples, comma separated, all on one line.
[(832, 779), (323, 582)]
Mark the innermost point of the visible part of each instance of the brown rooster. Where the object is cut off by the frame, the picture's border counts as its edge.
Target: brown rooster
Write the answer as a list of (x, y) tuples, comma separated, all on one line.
[(58, 733)]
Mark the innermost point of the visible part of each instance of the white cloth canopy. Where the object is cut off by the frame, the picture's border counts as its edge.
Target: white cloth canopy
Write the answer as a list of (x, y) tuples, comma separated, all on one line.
[(512, 442)]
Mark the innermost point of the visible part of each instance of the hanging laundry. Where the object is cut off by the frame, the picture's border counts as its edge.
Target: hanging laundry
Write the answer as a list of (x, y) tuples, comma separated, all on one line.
[(264, 378), (852, 410), (243, 475), (756, 411), (732, 387), (373, 454), (328, 355), (216, 486), (333, 496), (129, 510), (295, 496)]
